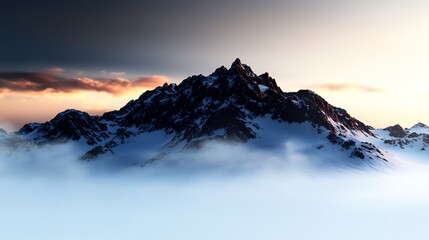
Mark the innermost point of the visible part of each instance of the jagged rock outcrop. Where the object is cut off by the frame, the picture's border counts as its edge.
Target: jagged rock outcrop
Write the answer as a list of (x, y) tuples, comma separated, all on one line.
[(68, 125), (396, 131)]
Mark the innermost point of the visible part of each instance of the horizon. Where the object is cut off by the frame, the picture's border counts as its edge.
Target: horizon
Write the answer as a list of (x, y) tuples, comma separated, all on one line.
[(368, 57)]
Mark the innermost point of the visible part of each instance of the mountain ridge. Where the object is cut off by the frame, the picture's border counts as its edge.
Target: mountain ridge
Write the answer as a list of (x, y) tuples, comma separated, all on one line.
[(224, 106)]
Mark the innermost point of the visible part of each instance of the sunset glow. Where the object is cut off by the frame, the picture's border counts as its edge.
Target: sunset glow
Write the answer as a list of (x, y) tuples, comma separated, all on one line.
[(21, 103)]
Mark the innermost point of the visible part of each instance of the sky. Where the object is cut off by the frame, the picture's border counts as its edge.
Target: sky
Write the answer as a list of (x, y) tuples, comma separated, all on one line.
[(368, 57)]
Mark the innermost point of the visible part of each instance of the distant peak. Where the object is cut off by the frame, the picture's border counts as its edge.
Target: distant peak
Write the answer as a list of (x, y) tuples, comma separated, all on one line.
[(71, 113), (397, 126), (238, 68), (221, 70), (307, 93), (265, 75), (396, 131), (236, 63), (420, 125)]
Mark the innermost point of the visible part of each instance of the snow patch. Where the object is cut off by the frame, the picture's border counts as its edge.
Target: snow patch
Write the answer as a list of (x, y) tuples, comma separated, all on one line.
[(263, 88)]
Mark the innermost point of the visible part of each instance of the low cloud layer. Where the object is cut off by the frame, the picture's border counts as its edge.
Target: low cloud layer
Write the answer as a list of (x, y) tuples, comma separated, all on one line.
[(346, 86), (278, 202), (54, 81)]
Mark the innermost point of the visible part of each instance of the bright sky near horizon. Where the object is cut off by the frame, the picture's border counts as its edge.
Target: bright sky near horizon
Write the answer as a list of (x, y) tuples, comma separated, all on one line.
[(368, 57)]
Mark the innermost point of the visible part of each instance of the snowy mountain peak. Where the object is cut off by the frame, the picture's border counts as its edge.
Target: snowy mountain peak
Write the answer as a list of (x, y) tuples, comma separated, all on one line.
[(237, 63), (227, 106), (71, 114), (419, 125), (68, 125), (242, 70)]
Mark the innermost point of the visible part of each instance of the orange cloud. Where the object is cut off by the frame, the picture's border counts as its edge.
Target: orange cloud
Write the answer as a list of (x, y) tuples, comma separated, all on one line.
[(53, 81), (345, 86)]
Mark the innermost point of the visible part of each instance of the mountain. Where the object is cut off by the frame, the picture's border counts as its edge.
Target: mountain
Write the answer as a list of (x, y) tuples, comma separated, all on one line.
[(414, 138), (419, 128), (232, 106), (396, 131), (68, 125)]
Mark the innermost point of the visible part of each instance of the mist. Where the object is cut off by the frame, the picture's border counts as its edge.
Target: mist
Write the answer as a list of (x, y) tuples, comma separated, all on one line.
[(218, 192)]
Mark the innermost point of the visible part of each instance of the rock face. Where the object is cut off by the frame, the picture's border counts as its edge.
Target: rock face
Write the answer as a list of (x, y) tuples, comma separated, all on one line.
[(221, 106), (396, 131), (228, 99), (68, 125)]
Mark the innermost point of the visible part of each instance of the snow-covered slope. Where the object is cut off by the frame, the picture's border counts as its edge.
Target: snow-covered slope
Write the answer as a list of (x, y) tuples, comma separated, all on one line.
[(419, 128), (409, 144), (416, 137)]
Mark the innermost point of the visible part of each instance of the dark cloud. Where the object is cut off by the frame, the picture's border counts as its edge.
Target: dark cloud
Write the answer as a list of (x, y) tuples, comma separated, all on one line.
[(52, 80), (346, 86)]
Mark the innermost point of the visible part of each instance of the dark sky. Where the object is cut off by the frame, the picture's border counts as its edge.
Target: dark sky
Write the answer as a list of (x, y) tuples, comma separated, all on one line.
[(142, 36)]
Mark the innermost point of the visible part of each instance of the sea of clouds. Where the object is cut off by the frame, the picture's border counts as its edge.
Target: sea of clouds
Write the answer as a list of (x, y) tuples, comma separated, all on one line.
[(219, 192)]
